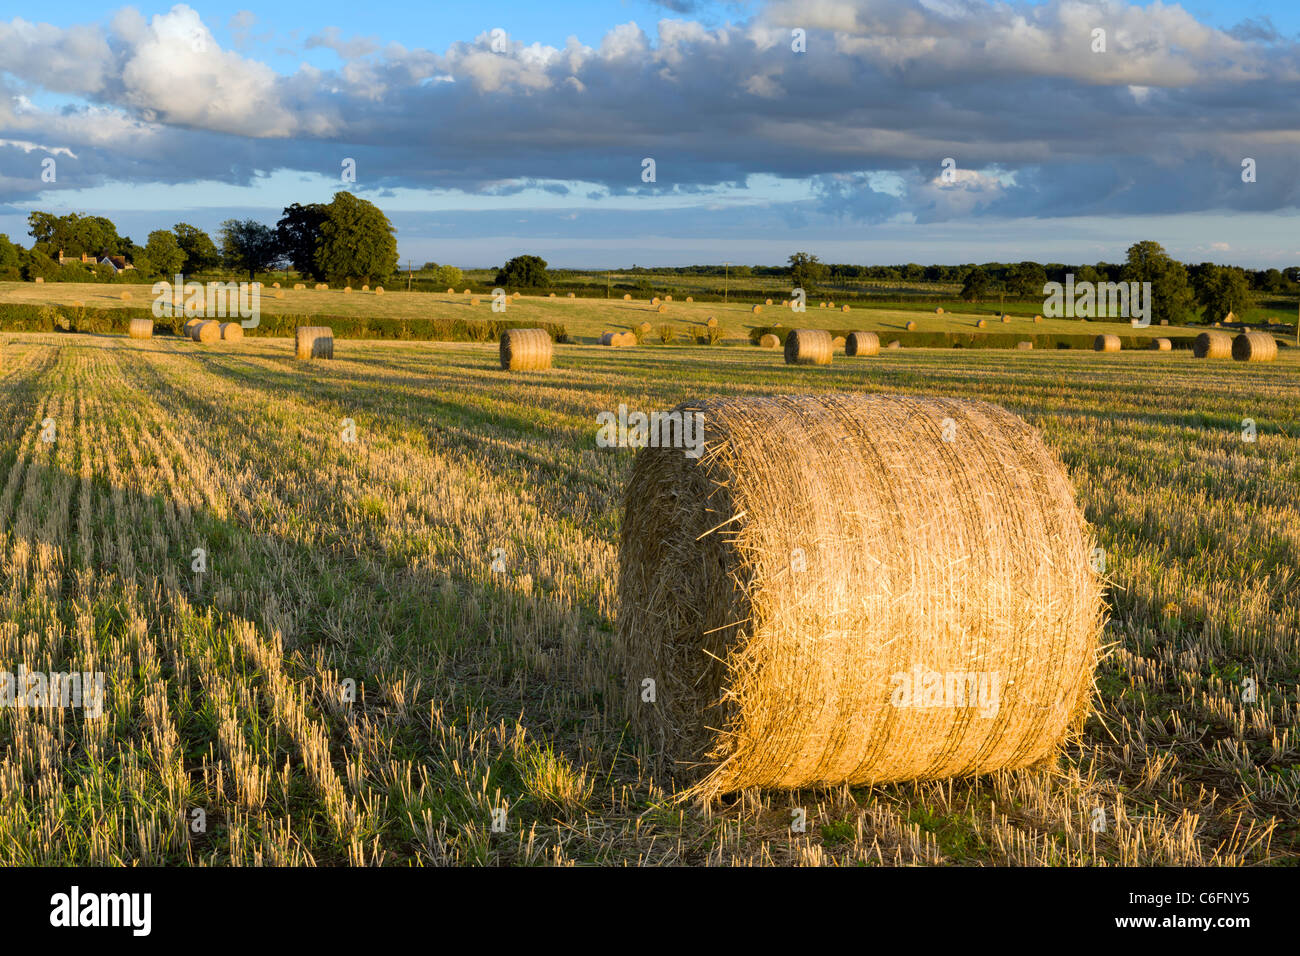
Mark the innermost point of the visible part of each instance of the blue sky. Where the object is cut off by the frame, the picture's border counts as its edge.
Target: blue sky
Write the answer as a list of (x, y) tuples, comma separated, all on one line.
[(478, 151)]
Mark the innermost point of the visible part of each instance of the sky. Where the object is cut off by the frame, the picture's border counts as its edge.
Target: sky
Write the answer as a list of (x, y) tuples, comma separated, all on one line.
[(860, 131)]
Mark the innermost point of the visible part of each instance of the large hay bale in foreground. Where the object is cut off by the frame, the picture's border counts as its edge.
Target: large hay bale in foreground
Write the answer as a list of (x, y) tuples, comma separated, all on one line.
[(232, 332), (525, 349), (805, 626), (1106, 343), (1254, 347), (1212, 345), (314, 342), (1161, 345), (769, 341), (862, 343), (206, 332), (808, 347), (140, 328)]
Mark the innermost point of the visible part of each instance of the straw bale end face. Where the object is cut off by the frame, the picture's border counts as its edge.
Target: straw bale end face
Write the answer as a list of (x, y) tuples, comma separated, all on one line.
[(525, 349), (800, 629)]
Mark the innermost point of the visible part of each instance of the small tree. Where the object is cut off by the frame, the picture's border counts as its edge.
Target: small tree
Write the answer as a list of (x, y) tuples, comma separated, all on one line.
[(524, 272), (164, 254), (976, 286), (200, 251), (1171, 295), (356, 241), (248, 245), (1026, 280), (1222, 289), (806, 271)]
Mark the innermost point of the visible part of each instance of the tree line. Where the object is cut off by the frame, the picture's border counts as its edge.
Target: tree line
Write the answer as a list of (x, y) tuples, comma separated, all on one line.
[(345, 240)]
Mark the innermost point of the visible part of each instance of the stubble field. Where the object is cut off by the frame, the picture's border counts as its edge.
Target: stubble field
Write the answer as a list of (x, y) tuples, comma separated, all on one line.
[(458, 563)]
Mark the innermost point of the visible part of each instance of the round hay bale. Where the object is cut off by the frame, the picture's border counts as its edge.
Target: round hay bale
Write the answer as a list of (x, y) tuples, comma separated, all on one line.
[(126, 296), (525, 349), (1161, 345), (607, 338), (275, 285), (894, 345), (279, 295), (1212, 345), (188, 330), (466, 292), (862, 343), (837, 342), (980, 324), (451, 291), (347, 289), (938, 311), (767, 301), (40, 280), (1106, 343), (573, 295), (690, 299), (298, 287), (379, 290), (784, 303), (757, 309), (474, 301), (1254, 347), (625, 339), (808, 347), (712, 322), (515, 296), (668, 298), (769, 341), (140, 328), (1164, 321), (231, 332), (551, 296), (821, 305), (798, 622), (645, 328), (365, 288), (1005, 317), (627, 296), (1026, 346), (314, 342), (910, 327), (844, 308), (320, 287), (1038, 318), (655, 300), (207, 332), (662, 308)]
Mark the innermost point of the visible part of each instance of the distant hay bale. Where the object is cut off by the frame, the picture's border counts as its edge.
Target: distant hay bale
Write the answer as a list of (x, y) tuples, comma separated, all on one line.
[(525, 349), (777, 674), (668, 298), (980, 324), (474, 301), (40, 280), (894, 345), (551, 296), (275, 285), (1164, 321), (1005, 317), (1212, 345), (662, 307), (1106, 343), (712, 322), (515, 296), (314, 342), (862, 343), (844, 308), (784, 303), (451, 291), (830, 305), (365, 288), (140, 328), (767, 301), (207, 332), (808, 347), (347, 289), (126, 296), (1038, 318), (1026, 345), (573, 295), (1161, 345), (298, 287), (618, 339), (646, 328), (655, 300), (466, 292), (757, 309), (821, 305), (231, 332), (627, 296), (1254, 347), (689, 299), (379, 290), (320, 286), (279, 295), (769, 341), (939, 311), (910, 327)]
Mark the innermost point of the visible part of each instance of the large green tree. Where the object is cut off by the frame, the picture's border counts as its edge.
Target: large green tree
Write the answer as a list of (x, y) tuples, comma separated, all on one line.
[(299, 233), (73, 234), (1026, 279), (357, 242), (524, 272), (976, 286), (201, 252), (1171, 294), (1220, 290), (806, 271), (164, 253), (249, 246), (9, 259)]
